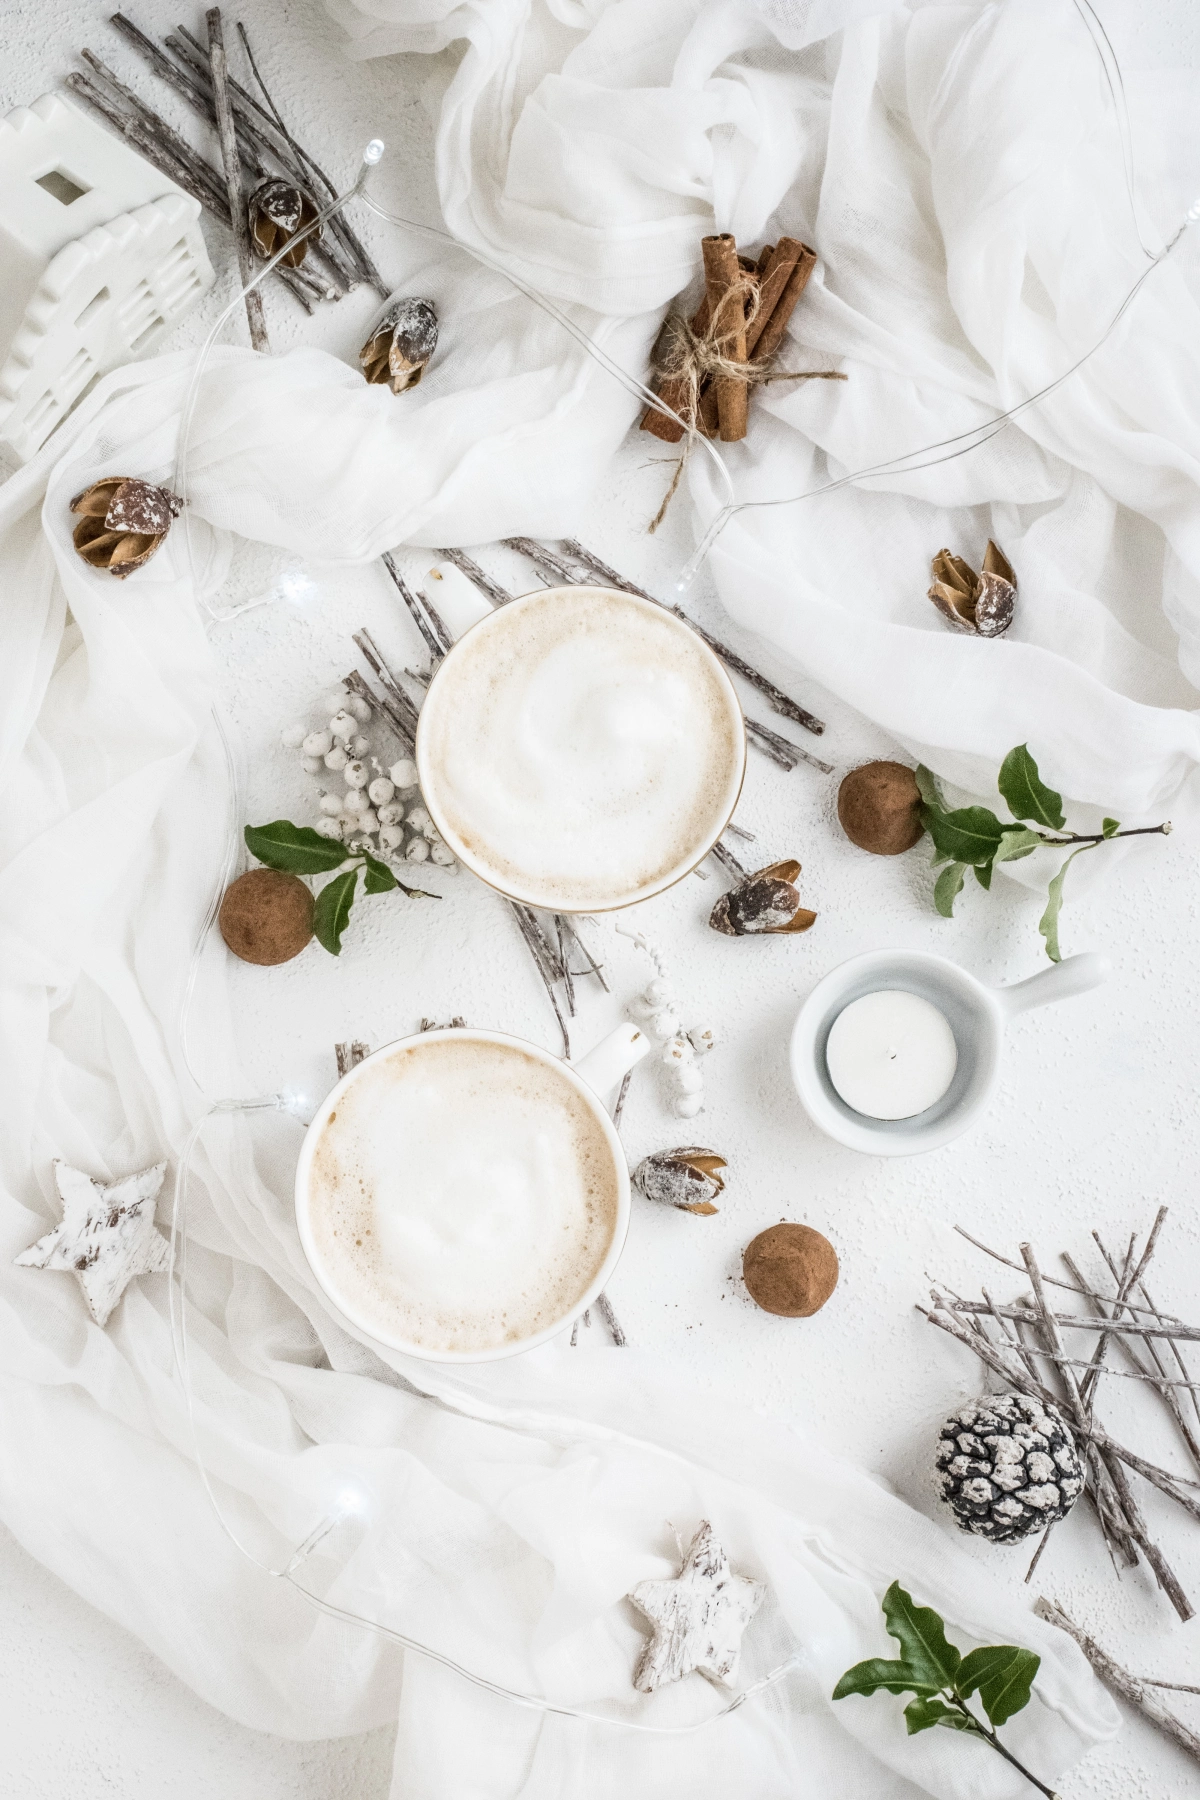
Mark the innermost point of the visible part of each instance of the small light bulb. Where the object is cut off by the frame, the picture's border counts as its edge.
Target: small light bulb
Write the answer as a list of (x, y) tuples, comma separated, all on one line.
[(352, 1500), (295, 585), (373, 152)]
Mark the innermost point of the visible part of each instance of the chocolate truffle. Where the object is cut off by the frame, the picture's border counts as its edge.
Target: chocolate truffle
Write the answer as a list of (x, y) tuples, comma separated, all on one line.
[(879, 808), (266, 916), (790, 1270)]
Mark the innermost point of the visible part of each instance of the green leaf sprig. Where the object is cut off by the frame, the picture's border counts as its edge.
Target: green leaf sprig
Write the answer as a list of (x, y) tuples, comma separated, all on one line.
[(972, 837), (943, 1679), (300, 850)]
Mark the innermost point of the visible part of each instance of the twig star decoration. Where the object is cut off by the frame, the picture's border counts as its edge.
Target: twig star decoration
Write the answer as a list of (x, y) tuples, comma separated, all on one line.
[(107, 1236), (698, 1618)]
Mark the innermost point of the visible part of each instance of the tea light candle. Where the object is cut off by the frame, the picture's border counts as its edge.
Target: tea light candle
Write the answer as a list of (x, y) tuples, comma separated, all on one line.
[(891, 1055)]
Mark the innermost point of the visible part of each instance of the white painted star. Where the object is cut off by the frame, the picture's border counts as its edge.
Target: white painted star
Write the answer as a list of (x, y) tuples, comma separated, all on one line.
[(698, 1618), (107, 1236)]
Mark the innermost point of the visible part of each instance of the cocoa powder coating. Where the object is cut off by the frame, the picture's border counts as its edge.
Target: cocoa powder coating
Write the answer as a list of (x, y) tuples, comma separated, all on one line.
[(879, 808), (266, 916), (790, 1270)]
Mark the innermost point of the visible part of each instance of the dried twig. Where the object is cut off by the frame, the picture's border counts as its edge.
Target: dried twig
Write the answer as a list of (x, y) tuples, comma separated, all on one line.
[(1072, 1322), (350, 1055), (619, 1106), (424, 614), (546, 962), (233, 179), (1050, 1280), (384, 706), (782, 750), (338, 223), (604, 1307), (483, 581), (1121, 1682)]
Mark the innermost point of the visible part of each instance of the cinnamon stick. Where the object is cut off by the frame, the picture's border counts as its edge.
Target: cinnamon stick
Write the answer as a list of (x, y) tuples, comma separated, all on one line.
[(723, 286), (771, 323), (673, 391)]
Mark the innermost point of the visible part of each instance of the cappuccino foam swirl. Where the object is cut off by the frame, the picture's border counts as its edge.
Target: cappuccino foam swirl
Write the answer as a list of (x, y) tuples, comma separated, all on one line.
[(462, 1195), (581, 748)]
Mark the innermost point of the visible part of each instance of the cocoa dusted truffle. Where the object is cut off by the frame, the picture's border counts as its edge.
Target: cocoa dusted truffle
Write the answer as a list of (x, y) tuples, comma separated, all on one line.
[(266, 916), (790, 1270), (879, 808)]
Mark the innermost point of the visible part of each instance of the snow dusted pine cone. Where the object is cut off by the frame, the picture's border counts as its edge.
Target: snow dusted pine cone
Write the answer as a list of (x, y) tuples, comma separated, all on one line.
[(1009, 1467)]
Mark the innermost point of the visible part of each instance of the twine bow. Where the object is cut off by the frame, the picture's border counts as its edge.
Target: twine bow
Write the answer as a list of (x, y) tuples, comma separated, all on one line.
[(692, 360)]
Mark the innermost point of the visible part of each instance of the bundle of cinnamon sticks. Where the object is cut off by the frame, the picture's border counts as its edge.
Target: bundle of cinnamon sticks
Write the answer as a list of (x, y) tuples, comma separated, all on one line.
[(739, 324)]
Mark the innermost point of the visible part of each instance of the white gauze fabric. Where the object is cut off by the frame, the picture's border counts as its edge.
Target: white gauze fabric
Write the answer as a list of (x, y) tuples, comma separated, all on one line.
[(957, 168)]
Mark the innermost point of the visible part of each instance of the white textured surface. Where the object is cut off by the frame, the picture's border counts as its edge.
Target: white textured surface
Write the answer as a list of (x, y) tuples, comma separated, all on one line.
[(1095, 1123)]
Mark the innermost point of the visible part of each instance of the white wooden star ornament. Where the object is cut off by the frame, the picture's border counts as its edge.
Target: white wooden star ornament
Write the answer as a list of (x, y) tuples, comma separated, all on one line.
[(698, 1618), (107, 1237)]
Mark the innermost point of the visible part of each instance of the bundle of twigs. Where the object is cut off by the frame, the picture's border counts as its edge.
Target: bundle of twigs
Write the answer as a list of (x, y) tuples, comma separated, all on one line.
[(256, 141), (1026, 1346)]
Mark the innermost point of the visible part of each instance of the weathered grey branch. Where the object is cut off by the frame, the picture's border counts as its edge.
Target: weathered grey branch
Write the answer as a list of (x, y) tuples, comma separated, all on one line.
[(1121, 1681), (233, 179), (498, 595)]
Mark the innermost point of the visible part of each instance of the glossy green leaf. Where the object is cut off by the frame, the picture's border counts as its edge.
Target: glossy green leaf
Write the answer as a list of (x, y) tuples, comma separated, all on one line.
[(983, 874), (893, 1677), (1110, 827), (1048, 923), (948, 887), (970, 835), (1017, 841), (921, 1634), (1002, 1675), (1026, 794), (379, 878), (297, 848), (927, 787), (332, 911), (923, 1712)]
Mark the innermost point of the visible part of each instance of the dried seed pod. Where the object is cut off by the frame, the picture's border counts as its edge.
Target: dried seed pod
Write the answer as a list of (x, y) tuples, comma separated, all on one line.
[(763, 903), (685, 1178), (982, 604), (401, 344), (277, 211), (123, 522)]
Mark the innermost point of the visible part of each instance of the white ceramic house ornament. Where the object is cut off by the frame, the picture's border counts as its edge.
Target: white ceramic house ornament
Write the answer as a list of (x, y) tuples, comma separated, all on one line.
[(99, 254)]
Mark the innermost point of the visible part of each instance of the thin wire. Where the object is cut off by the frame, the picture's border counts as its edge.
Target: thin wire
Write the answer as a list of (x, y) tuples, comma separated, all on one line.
[(181, 1350), (631, 383)]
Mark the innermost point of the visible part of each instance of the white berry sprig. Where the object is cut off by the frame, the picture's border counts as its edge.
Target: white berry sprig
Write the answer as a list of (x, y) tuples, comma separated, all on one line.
[(371, 808)]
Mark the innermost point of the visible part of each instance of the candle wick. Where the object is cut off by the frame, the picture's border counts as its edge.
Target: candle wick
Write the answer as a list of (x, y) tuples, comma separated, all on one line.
[(892, 1054)]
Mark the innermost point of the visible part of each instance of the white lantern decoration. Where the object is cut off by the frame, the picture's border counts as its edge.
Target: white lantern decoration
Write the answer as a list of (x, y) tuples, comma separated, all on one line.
[(99, 256)]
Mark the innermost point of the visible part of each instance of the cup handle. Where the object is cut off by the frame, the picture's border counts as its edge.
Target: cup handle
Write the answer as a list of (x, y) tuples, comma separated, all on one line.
[(612, 1058), (1074, 976)]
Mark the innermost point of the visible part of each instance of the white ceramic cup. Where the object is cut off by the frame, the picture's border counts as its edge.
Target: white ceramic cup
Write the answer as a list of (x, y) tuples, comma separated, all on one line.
[(977, 1015), (444, 695), (593, 1076)]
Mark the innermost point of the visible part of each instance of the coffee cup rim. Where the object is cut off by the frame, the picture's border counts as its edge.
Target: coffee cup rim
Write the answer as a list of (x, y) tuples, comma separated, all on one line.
[(531, 896), (346, 1310)]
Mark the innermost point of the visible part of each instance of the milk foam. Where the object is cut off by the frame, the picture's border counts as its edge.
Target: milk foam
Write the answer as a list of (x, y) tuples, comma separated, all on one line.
[(462, 1195), (582, 747)]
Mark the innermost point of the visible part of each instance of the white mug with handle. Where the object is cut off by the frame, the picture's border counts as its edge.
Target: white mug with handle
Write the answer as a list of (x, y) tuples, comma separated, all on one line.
[(592, 1078)]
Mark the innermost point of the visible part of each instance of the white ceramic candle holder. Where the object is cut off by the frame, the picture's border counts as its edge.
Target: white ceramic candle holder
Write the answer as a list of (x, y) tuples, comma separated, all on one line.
[(977, 1015)]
